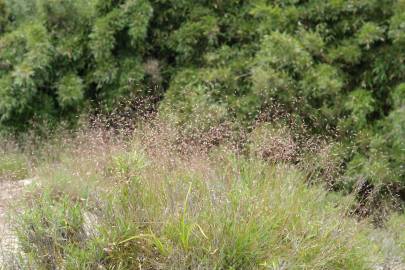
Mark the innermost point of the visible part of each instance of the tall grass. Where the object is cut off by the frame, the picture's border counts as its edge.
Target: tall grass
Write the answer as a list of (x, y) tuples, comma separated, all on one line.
[(143, 203), (13, 164)]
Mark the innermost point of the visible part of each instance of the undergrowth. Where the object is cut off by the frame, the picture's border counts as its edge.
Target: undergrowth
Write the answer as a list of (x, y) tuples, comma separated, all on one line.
[(13, 164), (144, 203)]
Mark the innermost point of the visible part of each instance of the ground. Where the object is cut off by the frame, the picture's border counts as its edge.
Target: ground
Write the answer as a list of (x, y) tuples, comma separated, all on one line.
[(10, 191)]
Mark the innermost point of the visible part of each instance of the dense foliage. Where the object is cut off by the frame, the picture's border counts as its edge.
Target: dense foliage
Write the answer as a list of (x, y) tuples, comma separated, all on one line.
[(337, 66)]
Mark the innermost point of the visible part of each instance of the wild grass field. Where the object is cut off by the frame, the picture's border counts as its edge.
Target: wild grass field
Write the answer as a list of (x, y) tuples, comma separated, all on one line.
[(149, 199), (209, 134)]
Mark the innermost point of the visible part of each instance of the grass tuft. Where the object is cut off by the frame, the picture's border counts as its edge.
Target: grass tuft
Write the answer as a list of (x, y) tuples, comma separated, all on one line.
[(13, 166), (131, 205)]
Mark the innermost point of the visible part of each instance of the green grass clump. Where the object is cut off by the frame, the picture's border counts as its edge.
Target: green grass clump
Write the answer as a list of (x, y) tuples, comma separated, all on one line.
[(395, 226), (56, 226), (151, 208), (13, 166)]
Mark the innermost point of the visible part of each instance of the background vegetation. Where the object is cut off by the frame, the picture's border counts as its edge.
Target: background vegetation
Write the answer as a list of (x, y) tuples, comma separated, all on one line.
[(336, 67), (315, 85)]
